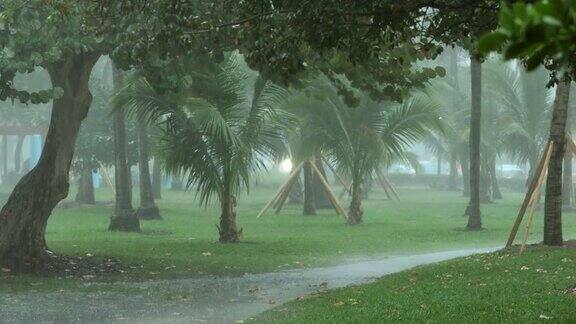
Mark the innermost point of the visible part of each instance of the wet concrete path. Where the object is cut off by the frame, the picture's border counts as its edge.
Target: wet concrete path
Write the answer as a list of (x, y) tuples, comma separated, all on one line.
[(203, 299)]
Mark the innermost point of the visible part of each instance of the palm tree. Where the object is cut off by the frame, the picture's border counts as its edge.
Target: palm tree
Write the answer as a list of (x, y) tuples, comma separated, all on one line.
[(219, 132), (359, 140)]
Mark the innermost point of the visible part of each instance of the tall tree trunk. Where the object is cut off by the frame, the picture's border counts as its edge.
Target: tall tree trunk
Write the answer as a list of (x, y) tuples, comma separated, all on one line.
[(355, 212), (496, 193), (157, 179), (85, 194), (473, 210), (321, 198), (24, 217), (18, 154), (439, 165), (309, 196), (453, 178), (553, 201), (148, 208), (124, 218), (485, 185), (228, 229), (567, 191)]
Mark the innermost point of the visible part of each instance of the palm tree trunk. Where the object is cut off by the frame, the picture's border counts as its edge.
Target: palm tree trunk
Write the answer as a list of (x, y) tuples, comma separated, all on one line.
[(465, 168), (453, 178), (148, 208), (124, 218), (496, 193), (309, 194), (355, 210), (553, 201), (18, 154), (85, 194), (485, 185), (439, 165), (473, 210), (228, 229), (157, 179)]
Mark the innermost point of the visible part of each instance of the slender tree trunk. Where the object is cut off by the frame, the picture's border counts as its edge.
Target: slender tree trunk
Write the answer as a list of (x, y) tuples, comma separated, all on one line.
[(124, 218), (309, 196), (465, 168), (453, 178), (553, 201), (496, 193), (485, 185), (439, 165), (24, 217), (228, 229), (85, 194), (355, 212), (148, 208), (473, 210), (567, 191), (322, 201), (157, 179), (18, 154)]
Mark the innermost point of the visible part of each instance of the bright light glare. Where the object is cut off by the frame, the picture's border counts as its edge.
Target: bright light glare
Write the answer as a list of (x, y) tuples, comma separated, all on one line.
[(285, 166)]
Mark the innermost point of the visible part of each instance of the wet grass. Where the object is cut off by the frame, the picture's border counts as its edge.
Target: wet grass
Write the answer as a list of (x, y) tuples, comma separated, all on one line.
[(490, 288), (184, 244)]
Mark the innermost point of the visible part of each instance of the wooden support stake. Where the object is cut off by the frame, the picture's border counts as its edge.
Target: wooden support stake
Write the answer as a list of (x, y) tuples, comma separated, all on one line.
[(534, 198), (388, 184), (529, 194), (329, 192), (383, 185), (338, 177), (107, 178), (286, 193), (280, 191)]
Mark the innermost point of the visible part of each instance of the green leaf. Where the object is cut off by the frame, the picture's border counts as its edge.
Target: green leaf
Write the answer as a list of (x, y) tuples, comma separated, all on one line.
[(491, 42)]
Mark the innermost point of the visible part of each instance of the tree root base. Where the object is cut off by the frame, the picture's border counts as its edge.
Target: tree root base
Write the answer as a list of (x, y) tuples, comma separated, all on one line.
[(124, 221), (149, 213)]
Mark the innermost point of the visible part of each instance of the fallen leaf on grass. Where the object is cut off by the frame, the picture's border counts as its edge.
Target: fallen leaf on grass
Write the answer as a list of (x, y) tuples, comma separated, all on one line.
[(339, 304), (545, 317), (206, 253)]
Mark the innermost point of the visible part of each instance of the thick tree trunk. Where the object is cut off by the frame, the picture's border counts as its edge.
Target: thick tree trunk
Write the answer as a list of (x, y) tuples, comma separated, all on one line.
[(148, 208), (24, 217), (18, 154), (355, 210), (473, 210), (124, 218), (309, 196), (453, 178), (553, 201), (228, 229), (485, 185), (157, 179), (322, 200), (85, 194), (496, 193)]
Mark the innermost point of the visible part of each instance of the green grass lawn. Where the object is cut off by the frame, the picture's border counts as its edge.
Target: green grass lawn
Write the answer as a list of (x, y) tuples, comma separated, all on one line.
[(184, 244), (490, 288)]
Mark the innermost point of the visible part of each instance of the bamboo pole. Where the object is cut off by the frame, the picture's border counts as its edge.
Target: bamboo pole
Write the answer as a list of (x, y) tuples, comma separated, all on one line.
[(281, 190), (529, 194), (338, 177), (329, 192), (107, 178), (534, 198)]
